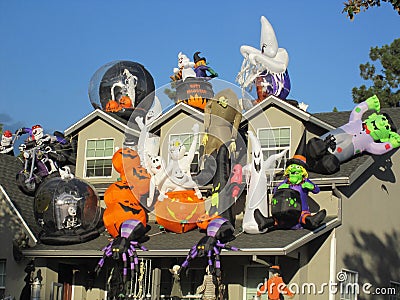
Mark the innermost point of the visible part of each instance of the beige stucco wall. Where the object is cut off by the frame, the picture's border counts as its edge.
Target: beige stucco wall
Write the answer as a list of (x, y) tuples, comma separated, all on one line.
[(96, 130), (369, 238), (274, 117), (14, 270)]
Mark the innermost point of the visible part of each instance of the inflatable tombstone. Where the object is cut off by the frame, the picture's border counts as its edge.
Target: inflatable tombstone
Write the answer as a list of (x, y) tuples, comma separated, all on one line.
[(67, 210), (120, 86)]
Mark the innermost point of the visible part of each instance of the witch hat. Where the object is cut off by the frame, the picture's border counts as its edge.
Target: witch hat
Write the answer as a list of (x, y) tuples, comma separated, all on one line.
[(197, 58), (299, 158)]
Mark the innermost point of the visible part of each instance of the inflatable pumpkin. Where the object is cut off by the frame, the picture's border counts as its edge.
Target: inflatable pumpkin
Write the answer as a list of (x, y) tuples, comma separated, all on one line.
[(113, 106), (179, 212), (125, 102), (124, 159), (122, 205)]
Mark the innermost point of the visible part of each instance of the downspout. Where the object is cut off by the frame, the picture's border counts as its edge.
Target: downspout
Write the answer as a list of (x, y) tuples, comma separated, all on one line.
[(332, 258)]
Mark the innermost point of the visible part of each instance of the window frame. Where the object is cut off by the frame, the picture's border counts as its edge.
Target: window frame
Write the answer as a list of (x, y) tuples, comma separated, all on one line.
[(276, 148), (3, 275), (353, 296), (246, 279), (93, 158), (396, 285)]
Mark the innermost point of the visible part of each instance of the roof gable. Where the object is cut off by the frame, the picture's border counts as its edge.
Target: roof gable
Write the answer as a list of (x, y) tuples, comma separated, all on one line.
[(110, 118)]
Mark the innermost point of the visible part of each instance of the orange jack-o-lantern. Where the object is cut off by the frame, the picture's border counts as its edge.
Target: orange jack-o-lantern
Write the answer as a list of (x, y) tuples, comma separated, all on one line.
[(125, 159), (180, 211), (139, 181), (121, 205), (205, 219), (125, 102), (113, 106)]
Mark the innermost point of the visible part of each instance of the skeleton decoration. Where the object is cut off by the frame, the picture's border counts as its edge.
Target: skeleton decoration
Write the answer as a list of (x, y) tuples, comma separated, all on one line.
[(7, 143), (66, 210), (269, 59), (127, 87)]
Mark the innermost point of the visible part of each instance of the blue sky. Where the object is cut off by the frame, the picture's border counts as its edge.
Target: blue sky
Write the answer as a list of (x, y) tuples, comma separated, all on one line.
[(50, 49)]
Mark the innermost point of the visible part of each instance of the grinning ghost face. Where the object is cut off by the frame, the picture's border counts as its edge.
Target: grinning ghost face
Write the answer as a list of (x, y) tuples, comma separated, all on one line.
[(257, 158), (177, 150), (179, 177), (156, 164)]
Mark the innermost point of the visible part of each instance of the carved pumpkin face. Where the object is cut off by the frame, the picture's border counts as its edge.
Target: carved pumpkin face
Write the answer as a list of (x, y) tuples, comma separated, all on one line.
[(125, 102), (121, 205), (113, 106), (125, 159), (179, 212), (139, 181)]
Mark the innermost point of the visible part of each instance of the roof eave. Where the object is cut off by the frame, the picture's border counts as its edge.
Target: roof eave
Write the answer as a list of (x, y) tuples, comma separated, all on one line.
[(183, 252)]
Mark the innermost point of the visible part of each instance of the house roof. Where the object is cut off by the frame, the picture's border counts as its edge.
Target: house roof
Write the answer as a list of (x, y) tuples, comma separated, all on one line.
[(10, 166), (287, 107), (162, 243), (114, 119), (174, 111), (273, 243)]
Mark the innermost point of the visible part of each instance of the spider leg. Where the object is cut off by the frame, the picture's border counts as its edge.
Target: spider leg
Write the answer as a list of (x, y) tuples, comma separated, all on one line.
[(217, 262), (125, 268), (131, 261), (192, 254), (135, 259), (106, 253), (209, 256)]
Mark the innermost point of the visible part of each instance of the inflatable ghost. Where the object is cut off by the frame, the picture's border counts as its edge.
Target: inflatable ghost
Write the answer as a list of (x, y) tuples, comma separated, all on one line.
[(257, 183), (269, 58)]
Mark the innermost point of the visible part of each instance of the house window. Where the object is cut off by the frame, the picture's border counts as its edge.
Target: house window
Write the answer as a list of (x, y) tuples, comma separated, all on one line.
[(98, 157), (394, 293), (187, 139), (273, 141), (255, 277), (349, 287), (2, 277)]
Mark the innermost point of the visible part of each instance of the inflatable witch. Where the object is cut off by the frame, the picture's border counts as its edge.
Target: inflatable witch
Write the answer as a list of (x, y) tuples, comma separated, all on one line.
[(290, 208), (376, 135)]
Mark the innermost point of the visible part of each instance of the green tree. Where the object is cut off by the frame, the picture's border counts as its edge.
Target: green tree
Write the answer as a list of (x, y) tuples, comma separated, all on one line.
[(353, 7), (385, 82)]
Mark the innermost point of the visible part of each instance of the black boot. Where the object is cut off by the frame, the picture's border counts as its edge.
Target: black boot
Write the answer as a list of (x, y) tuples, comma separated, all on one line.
[(313, 222), (263, 222)]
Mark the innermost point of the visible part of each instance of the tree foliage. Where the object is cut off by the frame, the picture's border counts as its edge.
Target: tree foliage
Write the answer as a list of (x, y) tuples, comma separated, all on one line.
[(353, 7), (385, 82)]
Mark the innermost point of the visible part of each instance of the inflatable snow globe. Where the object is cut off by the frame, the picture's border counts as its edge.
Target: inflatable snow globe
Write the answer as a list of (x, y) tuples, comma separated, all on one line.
[(119, 86), (67, 210)]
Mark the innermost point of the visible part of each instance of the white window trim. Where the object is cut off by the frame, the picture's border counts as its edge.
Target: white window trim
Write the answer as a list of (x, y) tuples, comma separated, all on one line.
[(276, 148), (394, 283), (246, 268), (355, 282), (93, 158)]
